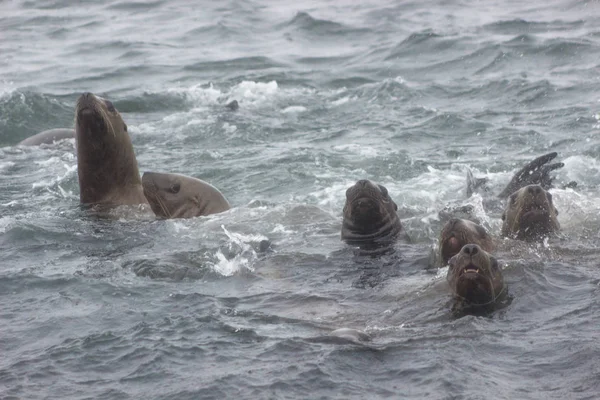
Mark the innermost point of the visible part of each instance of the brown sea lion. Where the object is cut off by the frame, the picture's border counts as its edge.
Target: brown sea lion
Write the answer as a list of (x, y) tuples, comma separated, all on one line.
[(180, 196), (106, 164), (370, 217), (475, 279), (457, 233), (48, 137), (530, 214)]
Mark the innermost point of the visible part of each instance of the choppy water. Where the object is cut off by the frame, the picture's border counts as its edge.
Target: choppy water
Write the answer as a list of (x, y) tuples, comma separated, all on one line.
[(404, 93)]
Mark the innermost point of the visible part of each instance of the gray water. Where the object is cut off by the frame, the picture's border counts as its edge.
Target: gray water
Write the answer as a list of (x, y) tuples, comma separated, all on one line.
[(405, 93)]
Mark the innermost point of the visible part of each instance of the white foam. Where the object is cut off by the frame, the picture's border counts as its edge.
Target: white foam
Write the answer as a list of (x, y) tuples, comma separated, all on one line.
[(293, 109), (343, 100), (358, 149), (227, 267), (253, 92)]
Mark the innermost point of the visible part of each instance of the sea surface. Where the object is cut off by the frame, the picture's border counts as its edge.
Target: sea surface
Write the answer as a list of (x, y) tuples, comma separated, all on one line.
[(408, 94)]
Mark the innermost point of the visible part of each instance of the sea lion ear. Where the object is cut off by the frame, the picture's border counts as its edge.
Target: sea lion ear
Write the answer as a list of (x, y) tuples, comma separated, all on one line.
[(109, 106), (555, 211), (503, 216), (125, 127), (395, 206), (494, 264)]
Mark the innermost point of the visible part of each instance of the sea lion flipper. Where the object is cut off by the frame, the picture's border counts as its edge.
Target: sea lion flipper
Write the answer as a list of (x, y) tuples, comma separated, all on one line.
[(535, 172), (474, 183)]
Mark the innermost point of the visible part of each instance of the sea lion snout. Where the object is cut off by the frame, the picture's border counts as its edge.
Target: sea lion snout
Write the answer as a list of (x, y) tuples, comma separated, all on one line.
[(87, 106), (534, 190), (471, 249)]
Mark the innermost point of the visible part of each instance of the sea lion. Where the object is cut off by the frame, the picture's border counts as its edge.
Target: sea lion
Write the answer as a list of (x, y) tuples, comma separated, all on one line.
[(475, 279), (457, 233), (180, 196), (48, 137), (106, 164), (370, 218), (530, 214)]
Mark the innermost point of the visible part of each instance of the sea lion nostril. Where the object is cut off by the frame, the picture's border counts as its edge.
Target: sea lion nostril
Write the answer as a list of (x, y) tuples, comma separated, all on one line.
[(362, 182), (470, 249)]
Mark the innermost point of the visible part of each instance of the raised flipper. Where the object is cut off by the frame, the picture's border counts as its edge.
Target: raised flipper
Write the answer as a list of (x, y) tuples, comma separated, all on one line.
[(537, 172), (474, 183)]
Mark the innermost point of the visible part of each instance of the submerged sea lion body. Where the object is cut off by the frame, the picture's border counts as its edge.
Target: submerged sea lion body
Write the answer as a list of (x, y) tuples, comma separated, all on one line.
[(475, 279), (106, 163), (180, 196), (370, 217), (530, 214), (457, 233), (48, 137)]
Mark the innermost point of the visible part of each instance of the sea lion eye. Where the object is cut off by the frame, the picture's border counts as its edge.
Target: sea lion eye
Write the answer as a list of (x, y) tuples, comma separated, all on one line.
[(109, 106), (481, 231), (175, 188), (549, 196), (513, 199), (383, 190)]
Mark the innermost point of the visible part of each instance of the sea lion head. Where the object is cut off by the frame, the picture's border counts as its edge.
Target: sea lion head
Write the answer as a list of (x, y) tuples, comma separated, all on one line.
[(106, 163), (458, 232), (530, 214), (474, 276), (96, 117), (180, 196), (369, 214)]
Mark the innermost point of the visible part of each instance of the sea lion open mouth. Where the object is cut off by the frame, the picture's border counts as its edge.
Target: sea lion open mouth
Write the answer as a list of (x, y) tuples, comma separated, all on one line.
[(471, 269), (474, 277)]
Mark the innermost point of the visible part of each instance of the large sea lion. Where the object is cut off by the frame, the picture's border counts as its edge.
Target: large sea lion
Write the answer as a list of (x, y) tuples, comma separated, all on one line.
[(48, 137), (106, 164), (530, 214), (475, 279), (180, 196), (370, 217), (457, 233)]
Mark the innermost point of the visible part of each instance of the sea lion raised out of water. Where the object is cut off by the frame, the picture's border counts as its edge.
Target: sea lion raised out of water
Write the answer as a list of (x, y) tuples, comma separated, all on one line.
[(370, 217), (475, 279), (530, 214), (48, 137), (180, 196), (106, 164), (457, 233)]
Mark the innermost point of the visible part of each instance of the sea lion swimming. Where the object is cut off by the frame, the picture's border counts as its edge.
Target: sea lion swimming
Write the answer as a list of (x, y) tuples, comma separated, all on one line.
[(180, 196), (475, 279), (370, 218), (457, 233), (48, 137), (530, 214), (106, 164)]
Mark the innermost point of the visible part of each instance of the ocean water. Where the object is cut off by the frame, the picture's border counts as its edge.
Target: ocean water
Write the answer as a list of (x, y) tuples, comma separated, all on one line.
[(408, 94)]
